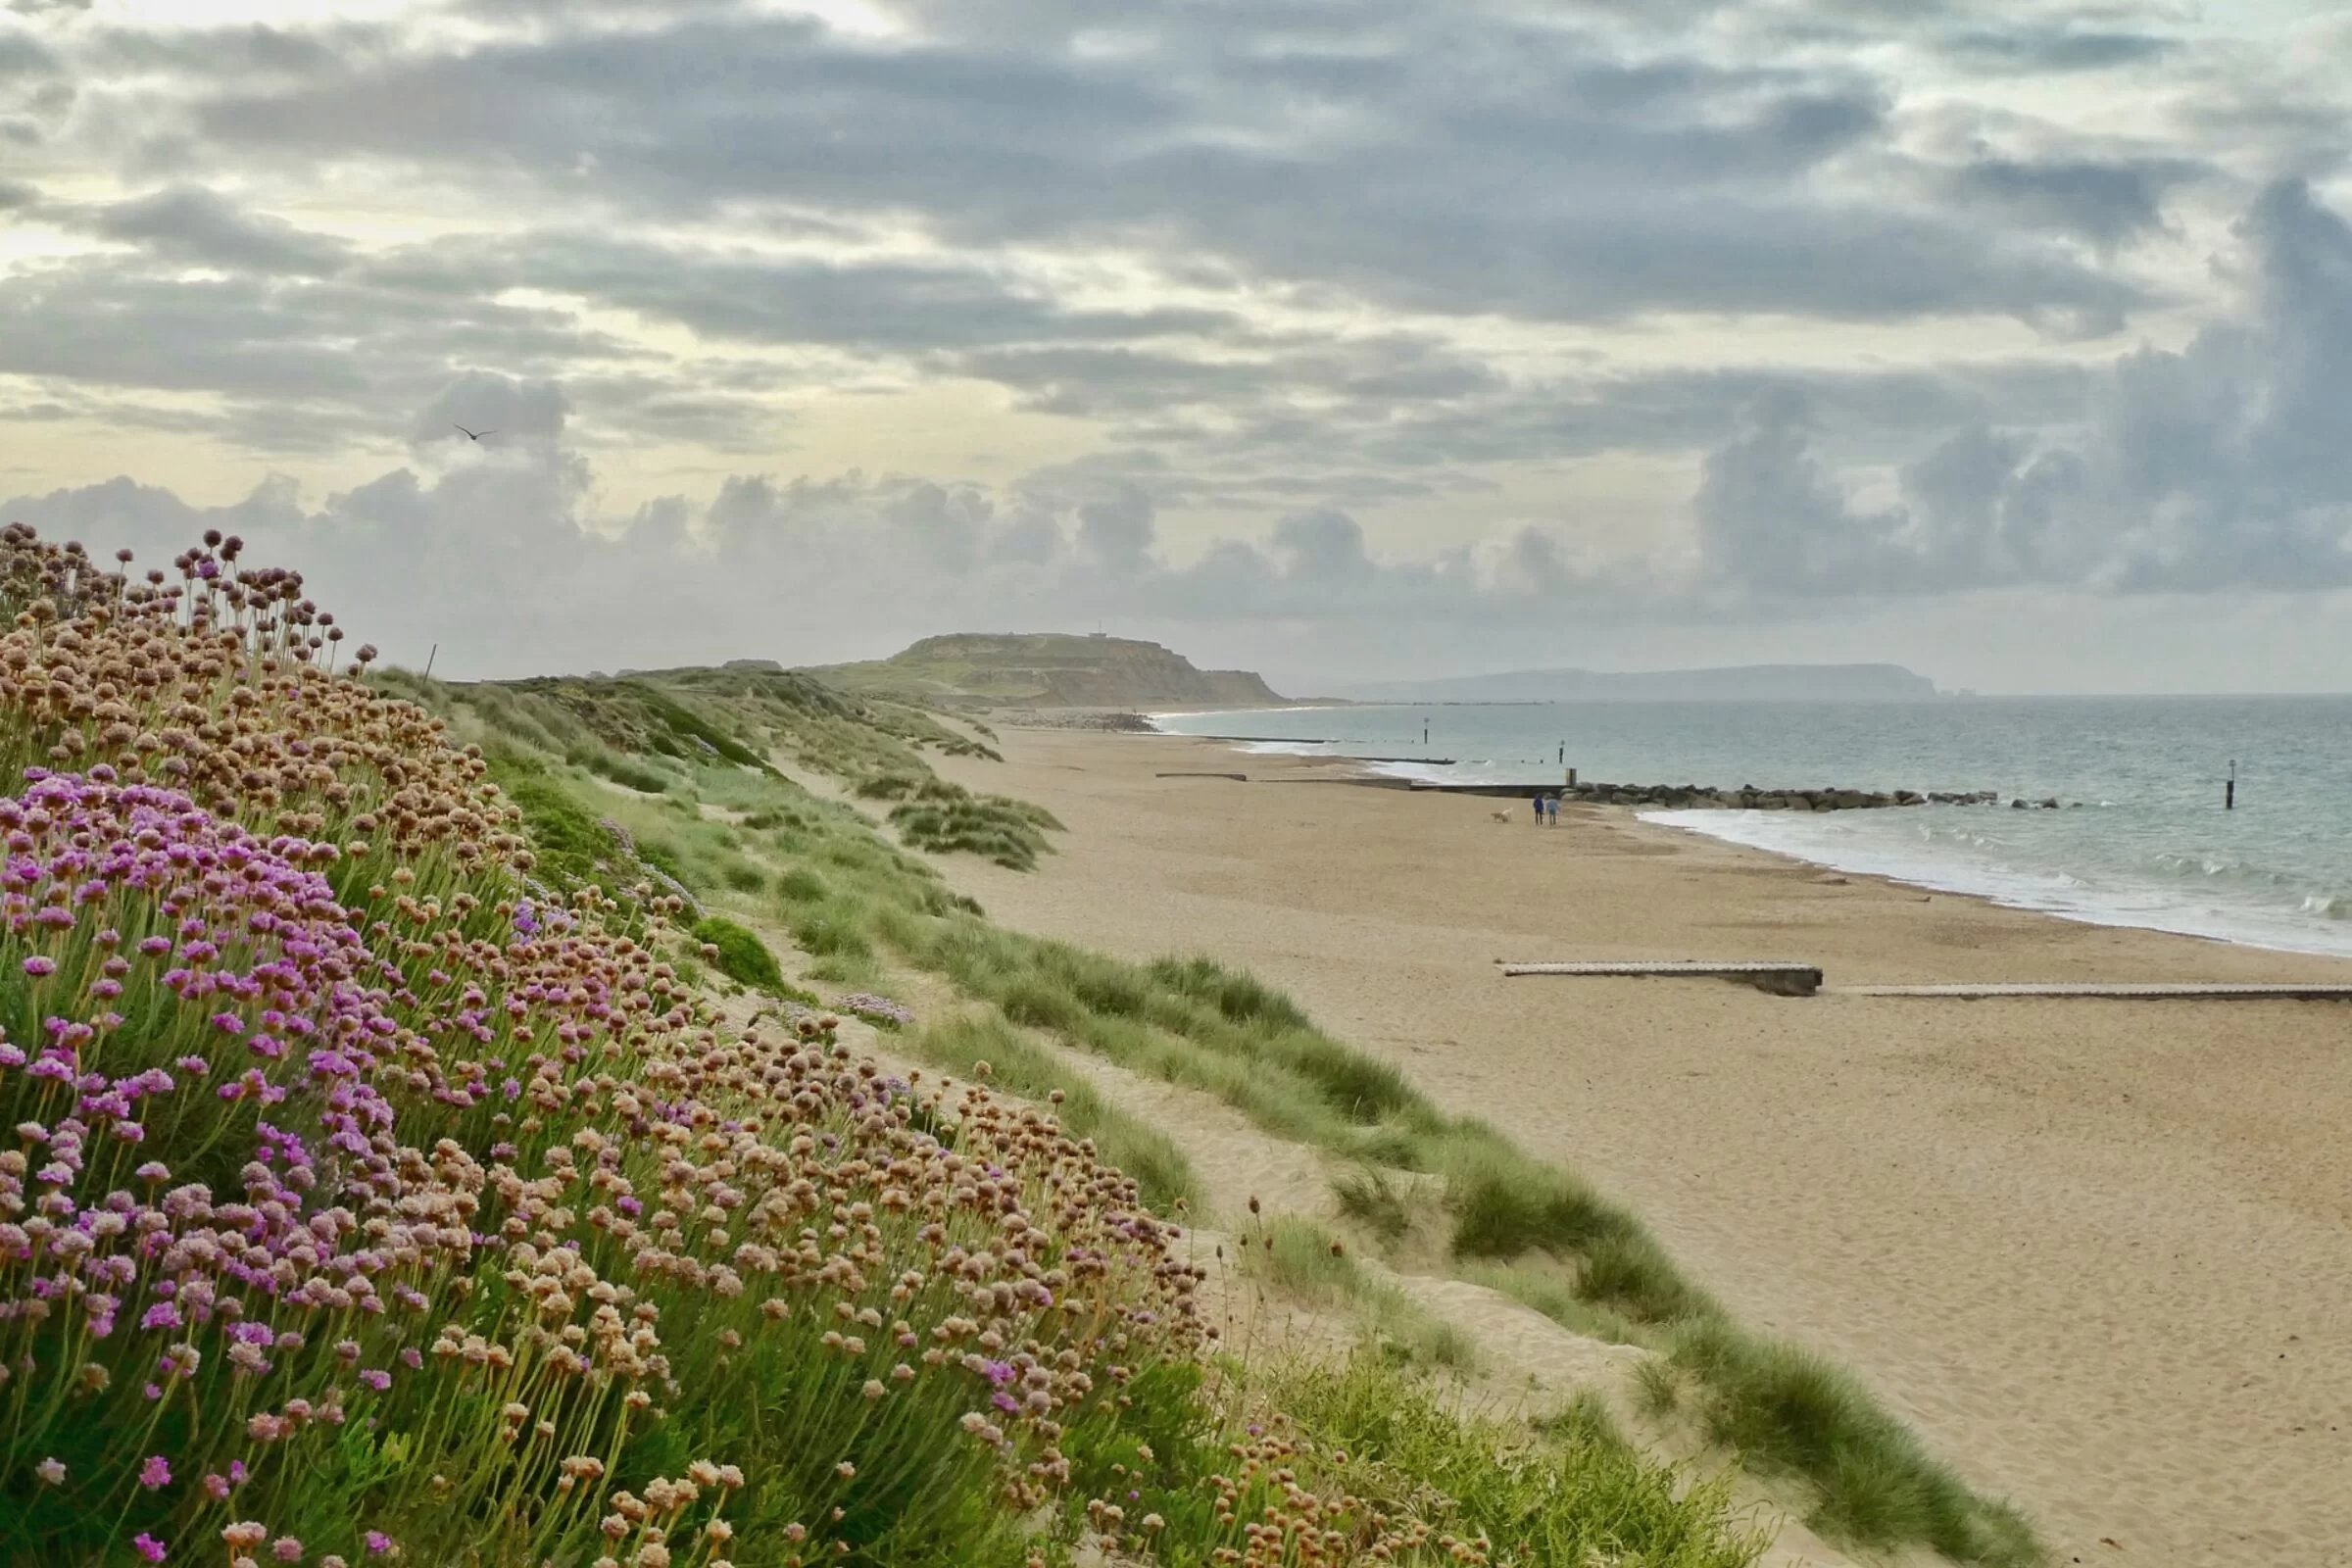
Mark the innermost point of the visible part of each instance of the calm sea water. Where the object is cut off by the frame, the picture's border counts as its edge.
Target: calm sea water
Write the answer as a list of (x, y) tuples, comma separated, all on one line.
[(2150, 844)]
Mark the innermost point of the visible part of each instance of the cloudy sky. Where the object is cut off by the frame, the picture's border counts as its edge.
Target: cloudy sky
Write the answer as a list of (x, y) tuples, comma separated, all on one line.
[(2011, 341)]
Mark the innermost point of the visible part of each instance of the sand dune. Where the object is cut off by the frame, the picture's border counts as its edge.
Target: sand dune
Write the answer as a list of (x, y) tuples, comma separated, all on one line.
[(2098, 1253)]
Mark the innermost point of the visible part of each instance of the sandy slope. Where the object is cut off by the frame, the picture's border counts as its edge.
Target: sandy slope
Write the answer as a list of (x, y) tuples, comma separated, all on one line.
[(2099, 1253)]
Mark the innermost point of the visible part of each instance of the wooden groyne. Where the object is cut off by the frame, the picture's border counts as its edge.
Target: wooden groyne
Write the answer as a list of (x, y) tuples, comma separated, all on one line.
[(1747, 797), (1690, 797), (1779, 979)]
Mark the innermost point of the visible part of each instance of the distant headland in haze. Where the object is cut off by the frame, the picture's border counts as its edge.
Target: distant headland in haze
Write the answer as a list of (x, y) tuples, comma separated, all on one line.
[(1049, 669), (1057, 669), (1741, 683)]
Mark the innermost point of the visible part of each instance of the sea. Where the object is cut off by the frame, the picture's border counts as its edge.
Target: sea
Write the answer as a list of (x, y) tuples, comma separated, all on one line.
[(2140, 837)]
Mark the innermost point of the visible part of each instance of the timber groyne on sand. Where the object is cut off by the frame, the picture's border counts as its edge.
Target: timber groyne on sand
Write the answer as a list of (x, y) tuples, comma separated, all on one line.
[(1690, 797)]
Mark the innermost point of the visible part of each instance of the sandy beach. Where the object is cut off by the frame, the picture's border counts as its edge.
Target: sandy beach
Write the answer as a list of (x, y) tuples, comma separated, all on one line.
[(2098, 1253)]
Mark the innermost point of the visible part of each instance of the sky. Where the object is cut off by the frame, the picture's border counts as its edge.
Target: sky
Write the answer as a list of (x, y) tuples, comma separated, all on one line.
[(1340, 339)]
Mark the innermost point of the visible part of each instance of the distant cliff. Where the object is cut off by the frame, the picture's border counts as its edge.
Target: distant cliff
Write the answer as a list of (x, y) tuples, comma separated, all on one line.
[(1745, 683), (1049, 669)]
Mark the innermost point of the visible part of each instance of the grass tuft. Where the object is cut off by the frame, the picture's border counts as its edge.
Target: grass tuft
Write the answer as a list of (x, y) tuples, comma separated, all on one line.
[(1567, 1500), (1370, 1198), (1786, 1410)]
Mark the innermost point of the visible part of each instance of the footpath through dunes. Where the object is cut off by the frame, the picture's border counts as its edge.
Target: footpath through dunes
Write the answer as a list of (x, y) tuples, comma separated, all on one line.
[(2098, 1253)]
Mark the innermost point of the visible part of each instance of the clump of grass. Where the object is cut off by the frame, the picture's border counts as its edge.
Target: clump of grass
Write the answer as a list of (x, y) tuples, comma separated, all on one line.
[(1309, 1262), (1786, 1410), (739, 953), (1369, 1196), (620, 770), (1657, 1387), (1238, 998), (1506, 1205), (1548, 1287), (1585, 1420)]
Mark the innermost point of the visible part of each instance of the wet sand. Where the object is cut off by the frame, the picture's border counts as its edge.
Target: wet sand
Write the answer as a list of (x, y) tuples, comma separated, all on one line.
[(2098, 1253)]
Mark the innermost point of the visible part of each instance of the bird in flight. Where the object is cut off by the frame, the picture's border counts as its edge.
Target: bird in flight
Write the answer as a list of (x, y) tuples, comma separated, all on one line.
[(473, 435)]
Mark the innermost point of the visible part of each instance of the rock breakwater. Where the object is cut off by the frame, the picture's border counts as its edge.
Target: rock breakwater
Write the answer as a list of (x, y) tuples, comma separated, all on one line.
[(1747, 797)]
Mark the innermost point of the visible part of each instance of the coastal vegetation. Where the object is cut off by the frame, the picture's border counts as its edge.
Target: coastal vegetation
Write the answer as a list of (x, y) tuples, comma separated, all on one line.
[(862, 910), (422, 1155)]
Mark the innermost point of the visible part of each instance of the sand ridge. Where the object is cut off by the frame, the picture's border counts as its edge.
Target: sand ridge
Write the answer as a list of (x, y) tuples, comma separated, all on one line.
[(2098, 1253)]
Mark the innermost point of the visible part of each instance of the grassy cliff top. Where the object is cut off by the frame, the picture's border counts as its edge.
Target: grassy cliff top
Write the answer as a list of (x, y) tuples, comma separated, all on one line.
[(1048, 670)]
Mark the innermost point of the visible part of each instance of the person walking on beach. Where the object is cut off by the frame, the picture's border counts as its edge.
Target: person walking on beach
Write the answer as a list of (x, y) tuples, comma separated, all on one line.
[(1538, 807), (1551, 811)]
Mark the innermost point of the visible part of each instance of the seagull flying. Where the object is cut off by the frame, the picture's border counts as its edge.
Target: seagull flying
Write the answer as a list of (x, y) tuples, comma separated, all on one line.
[(473, 435)]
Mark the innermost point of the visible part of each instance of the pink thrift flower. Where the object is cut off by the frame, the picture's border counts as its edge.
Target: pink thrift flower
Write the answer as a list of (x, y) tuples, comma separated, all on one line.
[(148, 1546), (378, 1543), (156, 1472)]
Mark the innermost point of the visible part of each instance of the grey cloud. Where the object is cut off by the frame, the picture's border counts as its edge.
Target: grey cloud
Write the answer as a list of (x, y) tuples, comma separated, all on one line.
[(744, 298), (253, 52), (302, 362), (22, 56), (1464, 167), (191, 224), (2219, 466), (2215, 468), (2105, 203), (2015, 49), (520, 413)]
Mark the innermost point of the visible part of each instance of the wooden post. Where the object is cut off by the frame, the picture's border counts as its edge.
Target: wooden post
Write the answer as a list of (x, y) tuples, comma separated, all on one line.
[(428, 661), (2230, 788), (1425, 734), (1572, 778), (1563, 751)]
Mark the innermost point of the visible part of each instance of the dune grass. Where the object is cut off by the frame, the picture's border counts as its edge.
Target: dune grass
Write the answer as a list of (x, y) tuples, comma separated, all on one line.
[(1783, 1409), (1370, 1197), (1572, 1497), (1308, 1262)]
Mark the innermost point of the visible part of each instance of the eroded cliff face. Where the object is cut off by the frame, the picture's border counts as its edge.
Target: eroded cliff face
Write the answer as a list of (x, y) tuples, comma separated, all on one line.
[(1054, 671)]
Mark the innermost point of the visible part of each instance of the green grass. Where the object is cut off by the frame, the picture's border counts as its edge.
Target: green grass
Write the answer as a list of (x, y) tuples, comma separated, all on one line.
[(1309, 1262), (745, 959), (1585, 1419), (1548, 1287), (1570, 1500), (1782, 1409), (1369, 1196)]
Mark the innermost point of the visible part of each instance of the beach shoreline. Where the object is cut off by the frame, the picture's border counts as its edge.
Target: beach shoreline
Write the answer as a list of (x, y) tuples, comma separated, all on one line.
[(2091, 1250)]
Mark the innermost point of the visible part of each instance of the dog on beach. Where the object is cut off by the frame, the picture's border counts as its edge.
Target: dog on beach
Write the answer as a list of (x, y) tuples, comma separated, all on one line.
[(1500, 816)]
